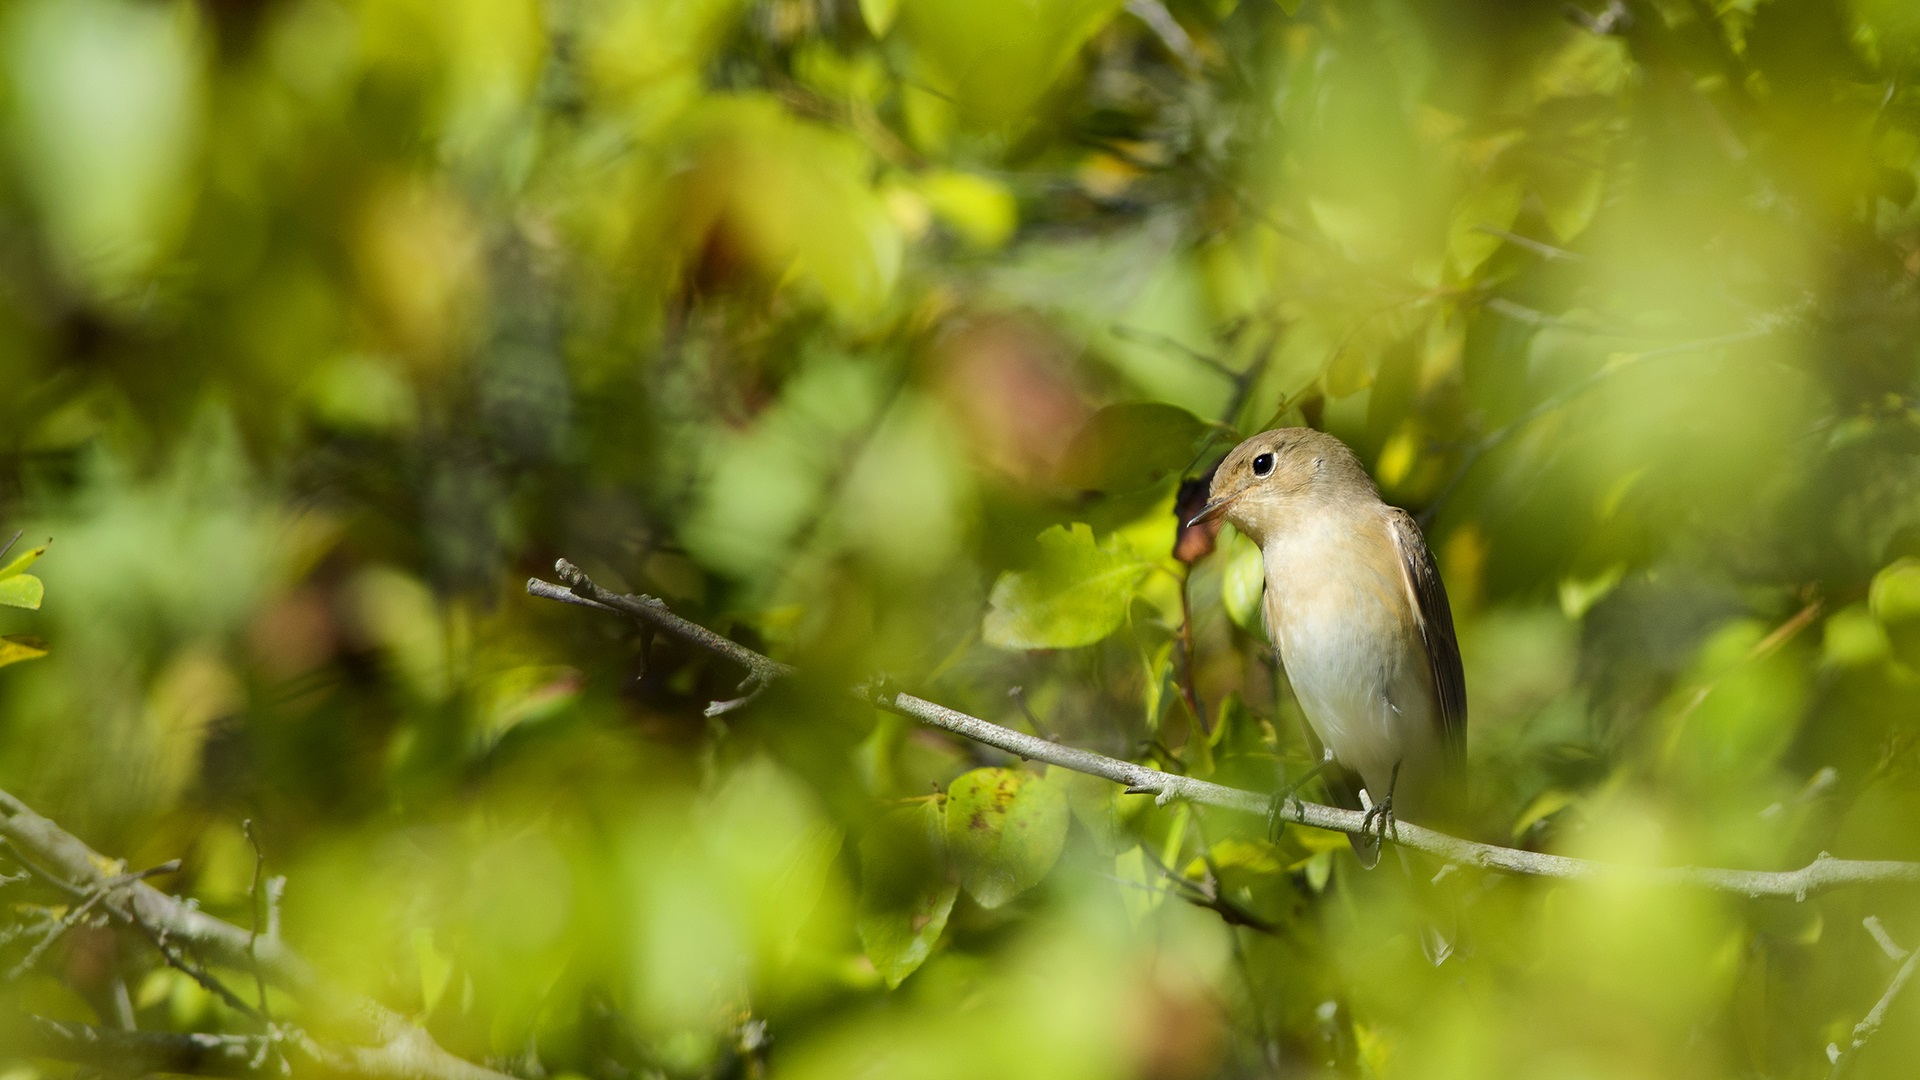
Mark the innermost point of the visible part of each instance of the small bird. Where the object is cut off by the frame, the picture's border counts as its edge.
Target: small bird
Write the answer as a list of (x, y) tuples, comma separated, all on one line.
[(1355, 607)]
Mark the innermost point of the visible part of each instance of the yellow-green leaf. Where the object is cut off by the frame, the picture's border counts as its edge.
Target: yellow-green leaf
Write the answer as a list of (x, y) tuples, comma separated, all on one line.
[(1005, 828), (21, 562), (21, 591), (878, 15), (980, 210), (1075, 595), (1243, 578), (997, 57), (15, 649)]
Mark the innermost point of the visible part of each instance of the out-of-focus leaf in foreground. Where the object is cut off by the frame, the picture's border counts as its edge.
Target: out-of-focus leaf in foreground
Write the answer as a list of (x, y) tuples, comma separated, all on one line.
[(1129, 446), (906, 889), (992, 76)]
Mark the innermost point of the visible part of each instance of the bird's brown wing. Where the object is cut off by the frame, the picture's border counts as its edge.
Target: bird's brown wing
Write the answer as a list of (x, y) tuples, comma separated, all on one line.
[(1429, 596)]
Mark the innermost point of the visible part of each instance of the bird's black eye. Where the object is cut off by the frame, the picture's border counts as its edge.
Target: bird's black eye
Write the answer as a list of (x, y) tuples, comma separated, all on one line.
[(1263, 464)]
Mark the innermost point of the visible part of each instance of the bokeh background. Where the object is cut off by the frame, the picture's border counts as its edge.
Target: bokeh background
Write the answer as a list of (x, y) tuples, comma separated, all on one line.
[(879, 334)]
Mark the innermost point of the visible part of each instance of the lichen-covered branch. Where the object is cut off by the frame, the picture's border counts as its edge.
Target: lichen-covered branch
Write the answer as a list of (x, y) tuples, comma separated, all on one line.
[(1823, 874)]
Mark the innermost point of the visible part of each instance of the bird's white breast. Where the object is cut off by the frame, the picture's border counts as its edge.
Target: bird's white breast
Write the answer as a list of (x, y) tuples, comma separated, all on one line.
[(1339, 613)]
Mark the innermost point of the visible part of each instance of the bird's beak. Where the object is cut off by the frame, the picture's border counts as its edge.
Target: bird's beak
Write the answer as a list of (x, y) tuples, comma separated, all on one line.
[(1213, 509)]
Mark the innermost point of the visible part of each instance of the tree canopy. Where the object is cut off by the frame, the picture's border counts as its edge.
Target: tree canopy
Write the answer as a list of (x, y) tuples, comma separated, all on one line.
[(889, 340)]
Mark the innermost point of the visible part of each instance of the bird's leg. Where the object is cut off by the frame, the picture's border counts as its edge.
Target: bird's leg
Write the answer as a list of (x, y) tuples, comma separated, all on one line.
[(1290, 791), (1383, 810)]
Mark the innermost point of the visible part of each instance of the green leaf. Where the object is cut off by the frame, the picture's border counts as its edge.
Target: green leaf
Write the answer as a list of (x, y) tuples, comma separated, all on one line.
[(1005, 828), (20, 564), (1131, 446), (1158, 669), (1236, 731), (906, 892), (1077, 594), (878, 15), (978, 209), (21, 591), (1243, 579), (1895, 593), (1852, 637), (1486, 205), (436, 969), (1738, 711), (1894, 599), (997, 57), (15, 649)]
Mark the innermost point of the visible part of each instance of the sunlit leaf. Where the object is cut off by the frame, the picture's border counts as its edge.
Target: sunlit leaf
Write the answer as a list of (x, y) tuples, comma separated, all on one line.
[(22, 561), (14, 649), (996, 57), (1487, 206), (1894, 600), (1578, 595), (792, 200), (1158, 672), (1852, 637), (1005, 828), (105, 100), (22, 591), (1143, 889), (435, 968), (980, 210), (1077, 594), (878, 15), (1243, 579)]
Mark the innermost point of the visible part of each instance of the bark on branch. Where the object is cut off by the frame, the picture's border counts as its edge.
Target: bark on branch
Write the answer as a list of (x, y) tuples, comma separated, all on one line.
[(1823, 874)]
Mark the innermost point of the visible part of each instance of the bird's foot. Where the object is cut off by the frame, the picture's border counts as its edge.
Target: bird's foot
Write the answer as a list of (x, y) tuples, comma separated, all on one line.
[(1290, 793), (1380, 820), (1382, 811), (1279, 802)]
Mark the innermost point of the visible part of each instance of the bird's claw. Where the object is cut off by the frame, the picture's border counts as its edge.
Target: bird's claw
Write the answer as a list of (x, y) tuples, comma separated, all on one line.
[(1381, 812), (1288, 794)]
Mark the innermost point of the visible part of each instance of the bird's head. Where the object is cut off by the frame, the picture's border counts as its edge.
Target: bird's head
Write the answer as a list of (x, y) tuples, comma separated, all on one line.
[(1280, 473)]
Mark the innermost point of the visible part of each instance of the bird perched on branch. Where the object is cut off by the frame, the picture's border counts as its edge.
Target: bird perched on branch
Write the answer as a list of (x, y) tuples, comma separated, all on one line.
[(1355, 606)]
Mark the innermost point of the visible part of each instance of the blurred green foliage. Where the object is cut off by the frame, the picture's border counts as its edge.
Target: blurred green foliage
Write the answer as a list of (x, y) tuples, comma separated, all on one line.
[(879, 334)]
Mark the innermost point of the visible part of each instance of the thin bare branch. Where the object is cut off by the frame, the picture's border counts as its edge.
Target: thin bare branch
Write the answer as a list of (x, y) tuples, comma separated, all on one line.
[(255, 901), (1824, 873), (1544, 250), (92, 899), (137, 1053), (283, 1052), (375, 1041), (1843, 1059), (1881, 938), (761, 671)]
